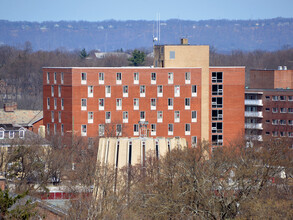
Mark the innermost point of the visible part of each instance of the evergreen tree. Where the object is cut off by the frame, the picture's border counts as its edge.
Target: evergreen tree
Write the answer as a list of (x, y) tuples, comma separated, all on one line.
[(137, 59)]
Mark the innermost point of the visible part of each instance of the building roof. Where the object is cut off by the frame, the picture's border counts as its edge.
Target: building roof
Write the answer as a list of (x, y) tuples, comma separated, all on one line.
[(20, 117)]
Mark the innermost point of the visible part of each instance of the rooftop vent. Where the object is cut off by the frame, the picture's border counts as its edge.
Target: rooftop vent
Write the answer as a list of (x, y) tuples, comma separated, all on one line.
[(280, 68), (184, 41)]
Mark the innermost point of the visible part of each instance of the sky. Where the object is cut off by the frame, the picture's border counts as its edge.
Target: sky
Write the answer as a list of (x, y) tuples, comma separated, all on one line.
[(97, 10)]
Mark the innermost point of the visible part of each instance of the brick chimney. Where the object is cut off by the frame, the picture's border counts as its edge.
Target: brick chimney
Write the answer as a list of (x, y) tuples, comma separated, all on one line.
[(10, 107)]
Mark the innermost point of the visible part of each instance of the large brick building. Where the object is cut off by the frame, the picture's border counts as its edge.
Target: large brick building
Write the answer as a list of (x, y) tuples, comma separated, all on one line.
[(190, 100)]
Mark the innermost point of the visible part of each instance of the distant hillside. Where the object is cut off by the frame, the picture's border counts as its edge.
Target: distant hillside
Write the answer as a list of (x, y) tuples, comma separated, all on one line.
[(224, 35)]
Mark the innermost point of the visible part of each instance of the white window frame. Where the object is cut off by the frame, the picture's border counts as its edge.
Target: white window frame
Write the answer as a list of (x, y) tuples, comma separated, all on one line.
[(62, 104), (125, 91), (187, 77), (101, 78), (62, 129), (153, 129), (83, 104), (142, 113), (52, 91), (170, 78), (59, 116), (135, 130), (187, 128), (274, 110), (48, 78), (192, 118), (11, 134), (142, 90), (153, 104), (170, 129), (136, 104), (62, 78), (170, 103), (21, 133), (118, 133), (48, 129), (125, 117), (101, 130), (55, 103), (90, 91), (187, 103), (55, 77), (153, 78), (52, 117), (59, 91), (118, 104), (55, 128), (48, 103), (119, 78), (90, 117), (108, 117), (194, 143), (193, 94), (290, 98), (101, 104), (160, 91), (177, 91), (176, 116), (108, 91), (83, 130), (159, 116), (83, 78), (283, 110), (1, 134), (136, 78)]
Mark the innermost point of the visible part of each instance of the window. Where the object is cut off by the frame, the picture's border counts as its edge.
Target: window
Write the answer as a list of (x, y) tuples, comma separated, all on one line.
[(55, 78), (48, 129), (290, 122), (1, 134), (11, 134), (217, 140), (283, 110), (217, 102), (52, 116), (170, 78), (267, 121), (135, 130), (118, 104), (193, 91), (83, 104), (83, 78), (125, 117), (275, 133), (142, 116), (187, 78), (52, 91), (129, 152), (267, 132), (118, 130), (177, 116), (108, 91), (101, 130), (62, 129), (282, 122), (135, 104), (275, 98), (170, 129), (108, 117), (21, 134), (55, 128), (193, 116), (153, 104), (217, 127), (193, 141), (90, 91), (59, 91), (153, 78), (290, 98), (217, 89), (275, 121), (48, 103), (55, 103), (135, 78), (160, 116), (48, 77), (59, 117), (177, 91), (267, 109), (290, 110), (101, 104), (187, 129), (282, 133), (172, 55), (217, 77), (290, 134), (90, 117), (187, 103), (160, 91), (282, 98), (101, 78), (217, 115), (267, 97), (125, 91), (170, 104), (62, 104), (62, 78), (83, 130), (118, 78), (275, 110), (153, 129), (142, 91)]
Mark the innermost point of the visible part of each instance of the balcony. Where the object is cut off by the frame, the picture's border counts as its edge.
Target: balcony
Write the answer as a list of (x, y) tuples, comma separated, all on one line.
[(254, 137), (253, 102), (253, 114), (253, 126)]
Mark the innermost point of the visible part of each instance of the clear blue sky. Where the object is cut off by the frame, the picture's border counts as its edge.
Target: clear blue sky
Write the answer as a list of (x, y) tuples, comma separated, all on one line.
[(97, 10)]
